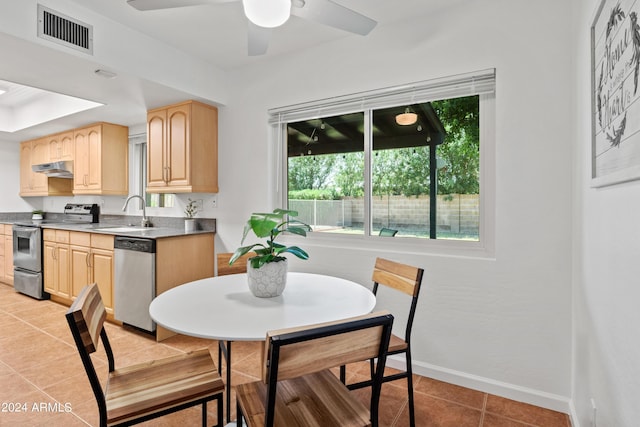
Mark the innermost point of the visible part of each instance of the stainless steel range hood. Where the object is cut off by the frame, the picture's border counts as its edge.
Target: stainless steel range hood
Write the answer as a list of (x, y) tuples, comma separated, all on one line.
[(62, 169)]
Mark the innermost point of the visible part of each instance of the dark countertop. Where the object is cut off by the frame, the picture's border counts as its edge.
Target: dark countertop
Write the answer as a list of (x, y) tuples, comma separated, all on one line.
[(121, 229), (133, 231)]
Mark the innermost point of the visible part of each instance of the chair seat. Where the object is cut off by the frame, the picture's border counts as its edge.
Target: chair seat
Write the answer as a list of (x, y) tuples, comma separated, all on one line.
[(314, 400), (397, 344), (136, 390)]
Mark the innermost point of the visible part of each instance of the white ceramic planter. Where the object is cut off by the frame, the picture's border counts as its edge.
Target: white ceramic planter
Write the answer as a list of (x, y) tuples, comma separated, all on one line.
[(269, 280)]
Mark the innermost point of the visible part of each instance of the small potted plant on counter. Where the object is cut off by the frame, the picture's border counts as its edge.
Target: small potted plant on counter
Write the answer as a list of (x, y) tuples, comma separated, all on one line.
[(190, 211), (37, 215), (267, 271)]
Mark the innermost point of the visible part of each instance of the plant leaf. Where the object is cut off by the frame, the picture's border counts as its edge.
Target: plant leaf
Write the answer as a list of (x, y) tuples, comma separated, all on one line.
[(262, 226), (300, 231), (300, 253), (243, 250)]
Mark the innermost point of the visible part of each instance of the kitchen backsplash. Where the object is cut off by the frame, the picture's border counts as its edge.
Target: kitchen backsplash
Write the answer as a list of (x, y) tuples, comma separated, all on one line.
[(156, 221)]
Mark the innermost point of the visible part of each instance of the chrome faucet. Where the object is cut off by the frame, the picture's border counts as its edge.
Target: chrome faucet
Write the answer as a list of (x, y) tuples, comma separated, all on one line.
[(145, 221)]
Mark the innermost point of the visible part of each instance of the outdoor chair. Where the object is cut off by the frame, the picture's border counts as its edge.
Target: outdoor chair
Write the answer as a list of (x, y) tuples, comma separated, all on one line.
[(387, 232)]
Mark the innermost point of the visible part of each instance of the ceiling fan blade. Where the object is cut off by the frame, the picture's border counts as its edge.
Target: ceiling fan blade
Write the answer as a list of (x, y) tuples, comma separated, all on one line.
[(334, 15), (169, 4), (259, 38)]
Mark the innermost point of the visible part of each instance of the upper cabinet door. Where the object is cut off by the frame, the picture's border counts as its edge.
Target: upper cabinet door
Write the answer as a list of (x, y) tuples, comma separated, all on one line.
[(61, 146), (94, 146), (182, 149), (25, 168), (81, 159), (156, 149), (101, 160), (178, 145)]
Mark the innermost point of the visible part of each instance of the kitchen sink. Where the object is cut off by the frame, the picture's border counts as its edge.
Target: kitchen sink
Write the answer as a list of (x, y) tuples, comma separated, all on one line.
[(122, 229)]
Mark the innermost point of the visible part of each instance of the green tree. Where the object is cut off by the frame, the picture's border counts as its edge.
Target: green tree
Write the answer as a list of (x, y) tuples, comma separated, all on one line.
[(349, 177), (310, 172), (461, 148)]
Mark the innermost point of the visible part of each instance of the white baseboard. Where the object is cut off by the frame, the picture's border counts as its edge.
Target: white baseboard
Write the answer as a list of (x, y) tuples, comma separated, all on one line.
[(487, 385)]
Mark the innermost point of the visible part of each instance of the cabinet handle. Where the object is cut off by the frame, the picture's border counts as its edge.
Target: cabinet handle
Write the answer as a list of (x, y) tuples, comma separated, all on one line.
[(53, 254), (88, 261)]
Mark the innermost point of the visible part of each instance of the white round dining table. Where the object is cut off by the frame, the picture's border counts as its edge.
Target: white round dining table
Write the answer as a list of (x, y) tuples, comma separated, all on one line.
[(223, 308)]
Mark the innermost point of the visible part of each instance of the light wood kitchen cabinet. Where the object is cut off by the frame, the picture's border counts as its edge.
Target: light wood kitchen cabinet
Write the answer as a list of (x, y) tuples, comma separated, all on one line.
[(6, 271), (182, 149), (36, 152), (101, 160), (91, 260), (56, 261), (179, 260), (60, 146)]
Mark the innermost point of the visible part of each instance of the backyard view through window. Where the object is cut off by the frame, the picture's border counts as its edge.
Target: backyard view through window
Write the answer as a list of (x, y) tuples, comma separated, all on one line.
[(412, 170)]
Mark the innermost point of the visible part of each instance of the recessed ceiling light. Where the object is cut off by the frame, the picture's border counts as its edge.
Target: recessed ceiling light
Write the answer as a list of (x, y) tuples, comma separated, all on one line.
[(2, 90)]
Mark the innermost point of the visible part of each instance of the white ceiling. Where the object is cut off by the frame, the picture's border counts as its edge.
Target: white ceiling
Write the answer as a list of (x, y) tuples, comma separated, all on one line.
[(215, 34)]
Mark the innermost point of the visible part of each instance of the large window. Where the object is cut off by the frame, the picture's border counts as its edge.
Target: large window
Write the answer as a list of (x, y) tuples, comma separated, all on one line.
[(403, 162)]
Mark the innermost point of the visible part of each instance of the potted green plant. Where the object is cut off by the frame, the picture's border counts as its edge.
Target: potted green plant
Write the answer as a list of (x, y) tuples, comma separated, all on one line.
[(267, 271), (37, 214), (190, 211)]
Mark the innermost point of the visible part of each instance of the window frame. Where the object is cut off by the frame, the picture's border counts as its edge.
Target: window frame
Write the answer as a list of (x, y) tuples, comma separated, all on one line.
[(480, 83)]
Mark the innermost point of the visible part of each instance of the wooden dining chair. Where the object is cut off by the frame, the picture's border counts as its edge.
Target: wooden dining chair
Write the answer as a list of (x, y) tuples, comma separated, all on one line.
[(299, 390), (406, 279), (148, 390), (240, 266)]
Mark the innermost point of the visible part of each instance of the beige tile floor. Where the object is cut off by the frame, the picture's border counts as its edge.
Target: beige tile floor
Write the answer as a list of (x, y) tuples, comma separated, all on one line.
[(43, 383)]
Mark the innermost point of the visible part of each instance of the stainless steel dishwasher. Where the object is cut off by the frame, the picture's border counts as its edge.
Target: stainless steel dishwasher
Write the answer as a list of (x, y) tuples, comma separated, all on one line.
[(135, 281)]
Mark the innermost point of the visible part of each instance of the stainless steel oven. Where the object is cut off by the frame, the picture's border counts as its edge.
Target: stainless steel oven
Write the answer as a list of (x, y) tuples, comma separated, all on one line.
[(27, 260)]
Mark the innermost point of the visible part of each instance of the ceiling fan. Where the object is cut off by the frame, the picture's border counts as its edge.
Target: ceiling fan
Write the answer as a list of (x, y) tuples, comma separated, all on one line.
[(264, 15)]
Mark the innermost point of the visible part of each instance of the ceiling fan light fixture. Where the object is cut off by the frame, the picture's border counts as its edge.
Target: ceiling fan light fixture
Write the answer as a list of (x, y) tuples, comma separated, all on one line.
[(407, 118), (267, 13)]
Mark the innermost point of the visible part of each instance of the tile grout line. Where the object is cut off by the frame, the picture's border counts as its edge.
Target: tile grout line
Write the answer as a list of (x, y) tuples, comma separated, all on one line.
[(484, 408)]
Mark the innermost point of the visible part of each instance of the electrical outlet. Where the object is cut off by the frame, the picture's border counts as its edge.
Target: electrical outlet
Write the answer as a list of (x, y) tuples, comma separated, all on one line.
[(594, 420), (200, 204), (214, 201)]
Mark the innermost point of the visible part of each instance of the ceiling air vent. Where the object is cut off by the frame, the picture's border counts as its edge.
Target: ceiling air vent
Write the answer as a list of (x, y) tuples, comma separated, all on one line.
[(61, 29)]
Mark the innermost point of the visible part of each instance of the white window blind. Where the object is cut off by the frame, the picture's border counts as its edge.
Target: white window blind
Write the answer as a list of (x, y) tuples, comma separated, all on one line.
[(475, 83)]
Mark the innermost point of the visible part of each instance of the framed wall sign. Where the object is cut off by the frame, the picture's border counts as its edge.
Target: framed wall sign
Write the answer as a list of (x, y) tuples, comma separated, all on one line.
[(615, 92)]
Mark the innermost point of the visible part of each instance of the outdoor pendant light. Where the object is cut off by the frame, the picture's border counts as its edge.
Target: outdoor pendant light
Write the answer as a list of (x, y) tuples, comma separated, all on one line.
[(267, 13), (407, 118)]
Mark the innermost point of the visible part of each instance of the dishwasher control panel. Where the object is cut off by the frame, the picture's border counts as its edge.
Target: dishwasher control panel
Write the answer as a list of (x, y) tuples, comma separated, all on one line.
[(135, 244)]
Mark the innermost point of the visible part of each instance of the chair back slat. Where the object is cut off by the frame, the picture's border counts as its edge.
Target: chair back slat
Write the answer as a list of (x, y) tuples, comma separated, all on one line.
[(87, 314), (240, 266), (402, 277), (324, 353), (314, 348)]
